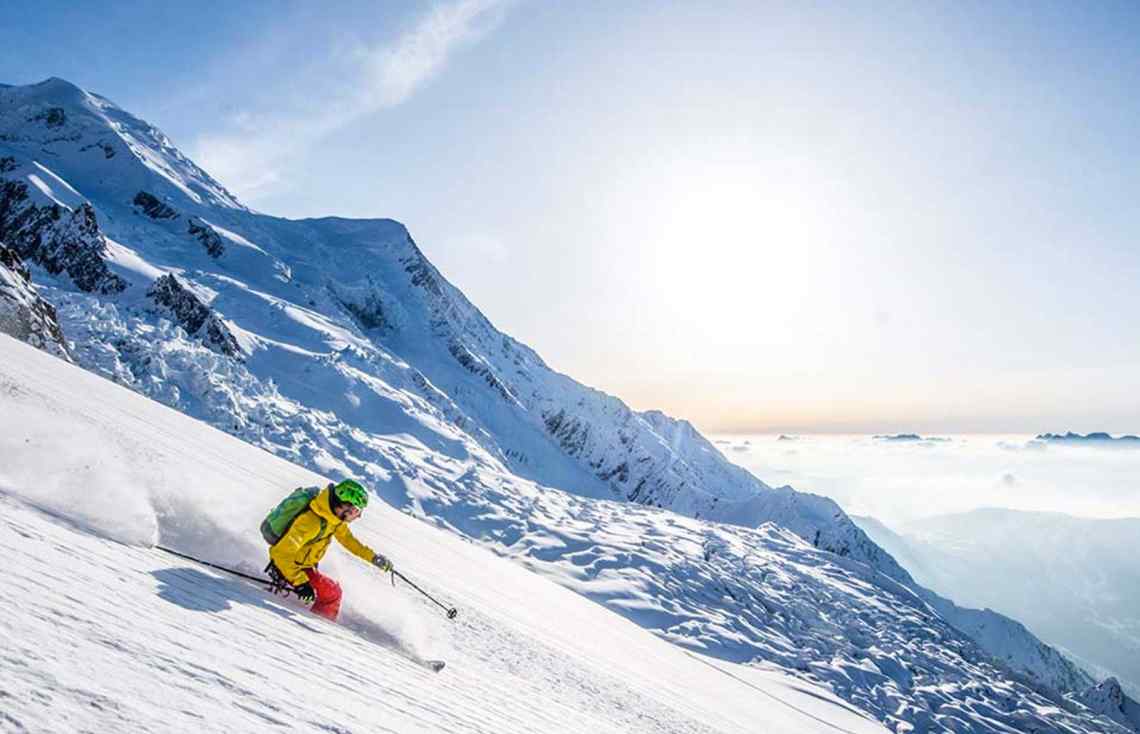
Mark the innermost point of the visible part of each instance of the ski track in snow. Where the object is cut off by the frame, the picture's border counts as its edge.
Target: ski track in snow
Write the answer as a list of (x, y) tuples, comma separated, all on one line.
[(154, 645)]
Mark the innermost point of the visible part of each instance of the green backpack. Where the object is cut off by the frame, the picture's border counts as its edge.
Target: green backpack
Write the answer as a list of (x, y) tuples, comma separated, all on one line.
[(277, 522)]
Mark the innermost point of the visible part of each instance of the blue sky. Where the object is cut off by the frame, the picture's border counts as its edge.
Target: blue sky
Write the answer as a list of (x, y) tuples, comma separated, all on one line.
[(800, 216)]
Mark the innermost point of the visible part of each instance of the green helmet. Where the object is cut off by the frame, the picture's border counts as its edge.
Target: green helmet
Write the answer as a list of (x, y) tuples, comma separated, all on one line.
[(351, 492)]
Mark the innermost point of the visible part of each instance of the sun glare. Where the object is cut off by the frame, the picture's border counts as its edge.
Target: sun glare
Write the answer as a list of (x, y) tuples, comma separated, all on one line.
[(746, 258)]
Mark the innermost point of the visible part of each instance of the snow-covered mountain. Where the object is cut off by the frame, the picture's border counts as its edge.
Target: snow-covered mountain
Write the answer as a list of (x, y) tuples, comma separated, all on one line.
[(321, 306), (1074, 581), (336, 344), (104, 633)]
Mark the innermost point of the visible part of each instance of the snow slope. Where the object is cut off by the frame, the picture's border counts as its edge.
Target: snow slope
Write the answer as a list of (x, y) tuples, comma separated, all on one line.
[(103, 632), (1074, 581), (335, 344), (111, 473)]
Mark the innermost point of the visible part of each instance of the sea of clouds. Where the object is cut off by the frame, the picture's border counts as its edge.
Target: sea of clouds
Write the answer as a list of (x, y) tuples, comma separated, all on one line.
[(898, 481)]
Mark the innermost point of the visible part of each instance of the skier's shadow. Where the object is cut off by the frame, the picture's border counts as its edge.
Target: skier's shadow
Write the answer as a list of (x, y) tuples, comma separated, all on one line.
[(197, 591)]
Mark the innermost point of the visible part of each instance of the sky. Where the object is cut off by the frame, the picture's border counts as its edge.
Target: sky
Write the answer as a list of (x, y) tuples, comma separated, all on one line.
[(761, 217)]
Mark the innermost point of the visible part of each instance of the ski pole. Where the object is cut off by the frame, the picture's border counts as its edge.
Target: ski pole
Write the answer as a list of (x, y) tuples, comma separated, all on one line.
[(452, 612), (259, 579), (272, 585)]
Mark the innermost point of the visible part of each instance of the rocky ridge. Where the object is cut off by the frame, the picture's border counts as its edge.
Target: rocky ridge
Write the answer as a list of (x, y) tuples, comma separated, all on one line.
[(23, 313)]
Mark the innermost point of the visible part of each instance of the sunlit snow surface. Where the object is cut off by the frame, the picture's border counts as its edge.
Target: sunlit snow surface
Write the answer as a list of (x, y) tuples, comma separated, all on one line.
[(104, 633)]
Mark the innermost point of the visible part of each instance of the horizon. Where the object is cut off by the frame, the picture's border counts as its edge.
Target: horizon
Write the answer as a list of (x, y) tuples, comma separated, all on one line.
[(898, 483), (690, 205)]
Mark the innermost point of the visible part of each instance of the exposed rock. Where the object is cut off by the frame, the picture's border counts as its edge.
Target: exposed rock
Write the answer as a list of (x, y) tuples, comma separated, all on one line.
[(75, 245), (10, 259), (421, 272), (369, 314), (205, 234), (23, 313), (195, 317), (153, 207), (472, 363), (52, 117), (108, 150), (570, 432), (58, 239), (1107, 698)]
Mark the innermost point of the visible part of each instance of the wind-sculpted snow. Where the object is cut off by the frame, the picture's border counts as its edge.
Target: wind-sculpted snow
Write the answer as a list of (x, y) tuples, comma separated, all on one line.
[(358, 358), (761, 596)]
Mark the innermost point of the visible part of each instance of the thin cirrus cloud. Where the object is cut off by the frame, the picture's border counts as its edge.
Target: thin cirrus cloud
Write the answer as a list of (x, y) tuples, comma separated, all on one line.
[(248, 154)]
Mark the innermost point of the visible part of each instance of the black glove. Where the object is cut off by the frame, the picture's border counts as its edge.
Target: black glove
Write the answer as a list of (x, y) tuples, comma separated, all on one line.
[(305, 592), (277, 582), (382, 563)]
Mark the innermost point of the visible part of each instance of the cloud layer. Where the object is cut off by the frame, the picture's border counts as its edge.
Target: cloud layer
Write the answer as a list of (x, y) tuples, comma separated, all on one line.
[(900, 481)]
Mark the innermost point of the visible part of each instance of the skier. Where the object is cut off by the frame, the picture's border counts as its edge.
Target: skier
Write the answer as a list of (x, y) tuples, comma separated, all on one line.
[(314, 518)]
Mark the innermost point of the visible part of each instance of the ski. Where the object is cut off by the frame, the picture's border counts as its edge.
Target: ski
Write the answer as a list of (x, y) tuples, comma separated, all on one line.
[(435, 666)]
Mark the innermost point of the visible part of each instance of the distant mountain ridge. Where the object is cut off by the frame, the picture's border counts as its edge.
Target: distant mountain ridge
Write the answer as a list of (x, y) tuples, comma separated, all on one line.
[(1098, 437), (337, 344)]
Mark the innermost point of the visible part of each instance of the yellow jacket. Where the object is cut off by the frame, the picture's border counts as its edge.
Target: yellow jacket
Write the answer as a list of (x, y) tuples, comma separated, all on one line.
[(304, 545)]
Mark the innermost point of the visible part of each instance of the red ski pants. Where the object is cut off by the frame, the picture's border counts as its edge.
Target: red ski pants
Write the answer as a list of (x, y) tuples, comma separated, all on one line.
[(327, 592)]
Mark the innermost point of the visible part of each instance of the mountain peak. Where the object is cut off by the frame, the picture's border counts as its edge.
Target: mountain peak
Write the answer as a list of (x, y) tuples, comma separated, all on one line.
[(104, 151), (56, 82), (54, 90)]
